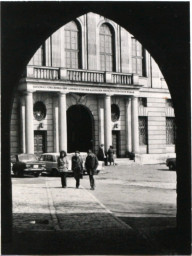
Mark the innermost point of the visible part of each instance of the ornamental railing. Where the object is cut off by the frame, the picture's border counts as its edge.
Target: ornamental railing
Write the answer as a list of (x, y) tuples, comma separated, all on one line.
[(86, 76), (122, 78), (80, 75)]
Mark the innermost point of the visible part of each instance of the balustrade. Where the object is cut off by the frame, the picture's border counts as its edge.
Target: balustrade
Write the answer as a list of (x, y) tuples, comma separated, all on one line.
[(78, 75), (126, 79), (46, 73), (85, 76)]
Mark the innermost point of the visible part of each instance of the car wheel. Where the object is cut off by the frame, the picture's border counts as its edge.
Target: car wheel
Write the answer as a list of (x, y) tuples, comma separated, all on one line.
[(36, 175), (18, 173), (171, 167)]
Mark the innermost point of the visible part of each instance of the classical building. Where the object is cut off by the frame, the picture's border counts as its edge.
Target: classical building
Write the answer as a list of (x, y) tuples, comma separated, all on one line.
[(92, 82)]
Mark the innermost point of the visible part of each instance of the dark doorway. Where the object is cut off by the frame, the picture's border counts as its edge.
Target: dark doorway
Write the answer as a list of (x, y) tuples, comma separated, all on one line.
[(116, 142), (40, 138), (79, 129)]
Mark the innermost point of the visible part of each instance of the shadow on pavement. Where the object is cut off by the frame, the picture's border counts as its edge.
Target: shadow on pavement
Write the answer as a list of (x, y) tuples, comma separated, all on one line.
[(162, 232), (28, 240), (166, 170), (148, 236)]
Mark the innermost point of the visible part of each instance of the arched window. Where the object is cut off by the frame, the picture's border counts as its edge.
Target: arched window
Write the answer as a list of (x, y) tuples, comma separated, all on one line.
[(72, 43), (138, 58), (106, 48)]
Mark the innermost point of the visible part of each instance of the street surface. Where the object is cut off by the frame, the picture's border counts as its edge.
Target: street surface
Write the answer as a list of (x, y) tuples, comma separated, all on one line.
[(137, 190), (131, 211)]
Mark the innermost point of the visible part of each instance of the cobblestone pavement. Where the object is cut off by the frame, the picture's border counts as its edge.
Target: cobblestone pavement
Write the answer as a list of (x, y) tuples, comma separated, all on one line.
[(48, 219), (50, 207)]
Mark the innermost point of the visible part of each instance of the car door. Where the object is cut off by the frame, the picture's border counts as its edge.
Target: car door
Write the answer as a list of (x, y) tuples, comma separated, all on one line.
[(49, 163), (43, 159)]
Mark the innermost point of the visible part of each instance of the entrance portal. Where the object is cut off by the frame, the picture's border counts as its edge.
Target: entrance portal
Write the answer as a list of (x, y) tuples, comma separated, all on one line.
[(40, 142), (115, 142), (79, 129)]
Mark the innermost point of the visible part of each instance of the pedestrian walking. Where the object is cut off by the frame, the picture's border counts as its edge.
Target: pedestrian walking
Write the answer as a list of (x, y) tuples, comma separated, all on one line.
[(101, 155), (62, 163), (77, 167), (91, 164), (110, 155)]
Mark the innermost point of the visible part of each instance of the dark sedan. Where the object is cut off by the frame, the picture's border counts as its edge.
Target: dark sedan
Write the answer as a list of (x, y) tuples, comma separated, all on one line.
[(171, 163), (26, 164)]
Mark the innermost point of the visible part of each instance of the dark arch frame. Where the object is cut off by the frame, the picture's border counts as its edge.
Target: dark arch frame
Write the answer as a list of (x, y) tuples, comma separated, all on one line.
[(162, 28), (91, 119)]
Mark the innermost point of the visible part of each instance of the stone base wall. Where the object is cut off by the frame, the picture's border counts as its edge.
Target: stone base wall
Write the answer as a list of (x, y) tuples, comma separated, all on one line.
[(153, 158)]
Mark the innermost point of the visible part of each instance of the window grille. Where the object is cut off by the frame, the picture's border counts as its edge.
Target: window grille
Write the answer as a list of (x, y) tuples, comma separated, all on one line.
[(143, 130), (106, 48), (39, 110), (72, 41), (138, 58), (169, 103), (143, 102), (170, 131)]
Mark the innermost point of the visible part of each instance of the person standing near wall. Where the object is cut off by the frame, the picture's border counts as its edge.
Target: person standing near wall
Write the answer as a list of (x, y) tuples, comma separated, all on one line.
[(62, 163), (110, 155), (101, 154), (77, 167), (91, 164)]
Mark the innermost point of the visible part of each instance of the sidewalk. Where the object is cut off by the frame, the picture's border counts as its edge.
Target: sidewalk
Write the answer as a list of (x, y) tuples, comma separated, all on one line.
[(48, 219)]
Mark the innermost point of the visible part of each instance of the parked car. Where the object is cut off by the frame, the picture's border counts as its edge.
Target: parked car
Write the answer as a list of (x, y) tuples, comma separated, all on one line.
[(26, 164), (50, 160), (171, 163)]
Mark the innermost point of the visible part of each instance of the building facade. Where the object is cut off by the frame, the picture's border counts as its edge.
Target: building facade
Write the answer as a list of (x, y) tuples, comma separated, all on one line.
[(92, 82)]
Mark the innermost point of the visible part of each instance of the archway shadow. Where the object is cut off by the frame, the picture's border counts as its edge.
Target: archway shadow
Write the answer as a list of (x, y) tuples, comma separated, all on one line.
[(147, 236)]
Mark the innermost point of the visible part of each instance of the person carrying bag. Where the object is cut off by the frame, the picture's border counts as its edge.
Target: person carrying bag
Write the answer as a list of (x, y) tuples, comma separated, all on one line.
[(62, 163)]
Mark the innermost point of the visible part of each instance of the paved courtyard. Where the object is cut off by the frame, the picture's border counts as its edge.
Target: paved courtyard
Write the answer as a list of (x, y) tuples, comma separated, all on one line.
[(124, 215)]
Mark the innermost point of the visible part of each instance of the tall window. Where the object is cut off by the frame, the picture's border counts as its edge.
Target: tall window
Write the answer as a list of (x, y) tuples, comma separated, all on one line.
[(170, 131), (143, 130), (72, 53), (106, 48), (138, 58)]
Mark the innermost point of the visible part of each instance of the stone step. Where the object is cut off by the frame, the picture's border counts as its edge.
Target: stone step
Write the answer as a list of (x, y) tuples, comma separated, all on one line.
[(123, 161)]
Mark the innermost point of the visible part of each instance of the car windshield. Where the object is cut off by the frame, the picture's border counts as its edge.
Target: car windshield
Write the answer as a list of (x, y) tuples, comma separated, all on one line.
[(28, 157)]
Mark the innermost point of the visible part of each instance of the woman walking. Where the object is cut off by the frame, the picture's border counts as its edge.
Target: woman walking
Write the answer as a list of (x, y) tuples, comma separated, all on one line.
[(63, 167), (77, 167)]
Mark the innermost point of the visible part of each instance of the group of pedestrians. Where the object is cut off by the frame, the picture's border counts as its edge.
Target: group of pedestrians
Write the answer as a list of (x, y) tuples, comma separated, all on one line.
[(91, 164), (107, 157)]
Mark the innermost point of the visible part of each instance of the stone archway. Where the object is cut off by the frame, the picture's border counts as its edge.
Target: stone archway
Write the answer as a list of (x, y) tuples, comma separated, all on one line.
[(79, 129), (167, 41)]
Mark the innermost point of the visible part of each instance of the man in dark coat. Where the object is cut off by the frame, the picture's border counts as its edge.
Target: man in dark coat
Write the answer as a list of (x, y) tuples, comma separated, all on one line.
[(91, 164), (101, 154), (77, 167)]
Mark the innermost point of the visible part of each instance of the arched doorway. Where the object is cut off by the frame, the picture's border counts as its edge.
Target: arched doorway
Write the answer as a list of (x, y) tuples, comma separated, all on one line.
[(79, 128)]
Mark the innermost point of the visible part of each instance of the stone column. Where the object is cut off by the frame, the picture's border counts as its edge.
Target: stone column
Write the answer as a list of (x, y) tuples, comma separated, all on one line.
[(62, 122), (56, 127), (135, 125), (22, 124), (128, 124), (29, 122), (101, 121), (107, 110)]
